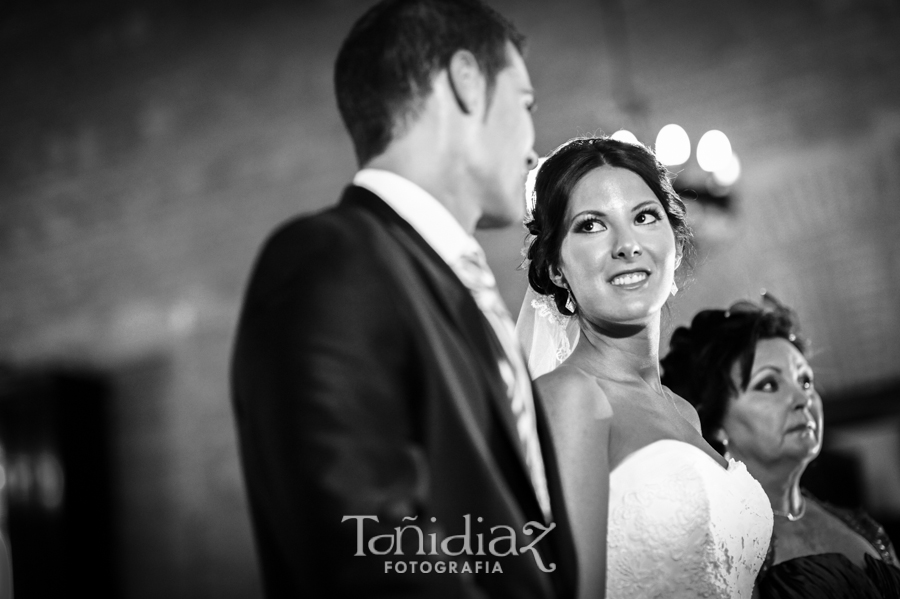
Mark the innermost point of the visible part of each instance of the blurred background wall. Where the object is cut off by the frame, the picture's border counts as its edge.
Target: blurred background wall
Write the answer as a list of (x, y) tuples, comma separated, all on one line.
[(149, 147)]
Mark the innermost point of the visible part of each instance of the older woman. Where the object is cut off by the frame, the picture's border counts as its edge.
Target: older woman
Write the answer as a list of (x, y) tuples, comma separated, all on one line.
[(746, 372)]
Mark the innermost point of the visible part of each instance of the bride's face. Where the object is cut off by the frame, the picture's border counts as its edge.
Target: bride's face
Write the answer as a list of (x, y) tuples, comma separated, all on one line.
[(619, 254)]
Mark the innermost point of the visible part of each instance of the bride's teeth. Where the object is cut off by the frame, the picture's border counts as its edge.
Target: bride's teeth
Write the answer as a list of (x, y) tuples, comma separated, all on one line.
[(634, 277)]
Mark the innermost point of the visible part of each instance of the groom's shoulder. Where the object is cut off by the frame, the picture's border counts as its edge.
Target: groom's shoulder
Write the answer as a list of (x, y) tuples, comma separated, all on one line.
[(332, 244), (337, 230)]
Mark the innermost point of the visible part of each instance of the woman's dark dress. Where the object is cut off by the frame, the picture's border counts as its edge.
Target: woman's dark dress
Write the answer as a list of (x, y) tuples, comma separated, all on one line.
[(832, 575)]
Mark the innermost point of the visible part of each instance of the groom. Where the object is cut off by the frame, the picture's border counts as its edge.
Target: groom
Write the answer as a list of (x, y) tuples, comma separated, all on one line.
[(390, 438)]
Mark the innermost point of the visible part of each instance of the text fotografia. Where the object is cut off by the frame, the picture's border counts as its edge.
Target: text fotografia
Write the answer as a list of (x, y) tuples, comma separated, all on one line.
[(502, 542), (442, 567)]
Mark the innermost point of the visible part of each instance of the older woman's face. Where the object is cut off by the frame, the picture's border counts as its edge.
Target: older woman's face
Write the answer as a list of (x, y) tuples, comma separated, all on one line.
[(778, 417)]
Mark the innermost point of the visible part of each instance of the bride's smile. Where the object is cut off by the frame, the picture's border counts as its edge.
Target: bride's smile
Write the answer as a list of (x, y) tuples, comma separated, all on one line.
[(630, 280)]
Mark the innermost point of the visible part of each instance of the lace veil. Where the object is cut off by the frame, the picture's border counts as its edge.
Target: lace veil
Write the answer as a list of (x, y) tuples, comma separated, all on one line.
[(547, 336)]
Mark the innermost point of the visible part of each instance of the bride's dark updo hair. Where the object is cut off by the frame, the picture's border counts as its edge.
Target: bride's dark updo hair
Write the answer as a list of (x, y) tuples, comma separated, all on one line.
[(556, 179), (702, 356)]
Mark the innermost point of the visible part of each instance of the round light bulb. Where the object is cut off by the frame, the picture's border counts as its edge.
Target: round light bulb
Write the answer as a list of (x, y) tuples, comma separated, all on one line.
[(729, 173), (673, 146), (626, 136), (713, 151)]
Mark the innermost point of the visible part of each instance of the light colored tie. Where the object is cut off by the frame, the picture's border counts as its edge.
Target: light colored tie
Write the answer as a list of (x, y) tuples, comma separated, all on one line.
[(473, 270)]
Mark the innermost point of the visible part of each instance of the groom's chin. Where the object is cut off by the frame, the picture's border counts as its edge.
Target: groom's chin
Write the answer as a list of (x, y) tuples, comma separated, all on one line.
[(500, 220)]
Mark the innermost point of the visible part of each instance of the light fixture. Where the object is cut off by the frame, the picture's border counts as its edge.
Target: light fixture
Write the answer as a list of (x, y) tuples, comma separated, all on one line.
[(626, 136), (673, 146), (713, 151), (728, 174)]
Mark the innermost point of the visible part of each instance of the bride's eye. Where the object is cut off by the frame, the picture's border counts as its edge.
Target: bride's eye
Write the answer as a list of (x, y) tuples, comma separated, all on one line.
[(648, 217), (589, 225)]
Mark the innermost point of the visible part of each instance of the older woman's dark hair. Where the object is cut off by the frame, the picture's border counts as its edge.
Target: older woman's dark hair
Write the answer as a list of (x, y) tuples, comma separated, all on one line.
[(554, 184), (701, 357)]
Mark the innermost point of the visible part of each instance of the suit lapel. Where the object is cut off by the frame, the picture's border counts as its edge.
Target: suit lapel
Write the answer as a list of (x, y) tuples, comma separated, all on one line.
[(562, 546), (460, 308), (455, 300)]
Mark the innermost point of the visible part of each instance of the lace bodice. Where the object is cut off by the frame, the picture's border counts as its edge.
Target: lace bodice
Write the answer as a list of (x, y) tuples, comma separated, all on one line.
[(680, 525)]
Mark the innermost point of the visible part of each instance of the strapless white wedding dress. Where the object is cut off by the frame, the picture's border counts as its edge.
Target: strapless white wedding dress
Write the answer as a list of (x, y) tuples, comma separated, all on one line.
[(681, 525)]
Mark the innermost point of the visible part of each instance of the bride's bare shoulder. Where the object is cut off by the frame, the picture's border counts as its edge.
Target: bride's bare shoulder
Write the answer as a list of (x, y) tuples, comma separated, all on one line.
[(568, 387)]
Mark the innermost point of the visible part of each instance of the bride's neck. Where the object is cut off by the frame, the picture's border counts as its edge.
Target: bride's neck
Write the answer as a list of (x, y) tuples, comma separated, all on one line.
[(627, 353)]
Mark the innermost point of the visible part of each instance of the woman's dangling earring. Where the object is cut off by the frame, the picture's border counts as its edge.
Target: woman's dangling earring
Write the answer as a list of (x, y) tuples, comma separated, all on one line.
[(723, 438), (570, 301), (674, 288)]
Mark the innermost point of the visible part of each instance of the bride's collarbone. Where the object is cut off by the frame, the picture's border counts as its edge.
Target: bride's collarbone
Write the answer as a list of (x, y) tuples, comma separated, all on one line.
[(636, 425), (639, 404), (642, 403)]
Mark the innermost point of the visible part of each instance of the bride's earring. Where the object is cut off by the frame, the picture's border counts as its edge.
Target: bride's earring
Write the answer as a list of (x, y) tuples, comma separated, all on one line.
[(570, 302), (674, 288)]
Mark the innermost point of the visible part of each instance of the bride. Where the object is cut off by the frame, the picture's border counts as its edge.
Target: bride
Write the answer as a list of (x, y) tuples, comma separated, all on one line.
[(657, 511)]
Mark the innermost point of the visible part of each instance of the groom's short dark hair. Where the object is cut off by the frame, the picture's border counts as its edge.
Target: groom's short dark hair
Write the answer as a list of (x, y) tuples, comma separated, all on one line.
[(385, 66)]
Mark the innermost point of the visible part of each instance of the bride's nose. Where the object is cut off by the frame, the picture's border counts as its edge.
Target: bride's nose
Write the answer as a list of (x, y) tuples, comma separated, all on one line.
[(627, 246)]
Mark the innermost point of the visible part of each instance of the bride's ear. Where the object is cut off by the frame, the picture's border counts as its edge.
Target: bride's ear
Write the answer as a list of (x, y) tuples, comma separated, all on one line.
[(679, 254), (557, 277)]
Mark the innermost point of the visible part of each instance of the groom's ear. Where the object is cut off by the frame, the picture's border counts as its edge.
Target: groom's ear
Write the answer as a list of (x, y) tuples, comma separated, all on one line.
[(467, 82)]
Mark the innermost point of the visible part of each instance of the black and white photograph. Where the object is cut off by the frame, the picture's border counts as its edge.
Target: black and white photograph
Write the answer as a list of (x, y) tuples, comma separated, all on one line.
[(507, 299)]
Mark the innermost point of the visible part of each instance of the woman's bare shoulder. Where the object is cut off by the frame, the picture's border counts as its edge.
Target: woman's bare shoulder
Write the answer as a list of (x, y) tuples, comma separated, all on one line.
[(569, 387)]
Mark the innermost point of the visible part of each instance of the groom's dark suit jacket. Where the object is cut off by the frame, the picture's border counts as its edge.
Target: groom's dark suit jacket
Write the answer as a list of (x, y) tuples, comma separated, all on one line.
[(365, 384)]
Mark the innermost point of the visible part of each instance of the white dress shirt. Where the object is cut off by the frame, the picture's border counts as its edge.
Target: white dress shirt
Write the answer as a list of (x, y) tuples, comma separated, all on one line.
[(428, 217), (459, 250)]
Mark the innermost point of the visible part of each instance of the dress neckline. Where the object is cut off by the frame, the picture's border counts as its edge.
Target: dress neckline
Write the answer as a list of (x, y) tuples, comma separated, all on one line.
[(730, 467)]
